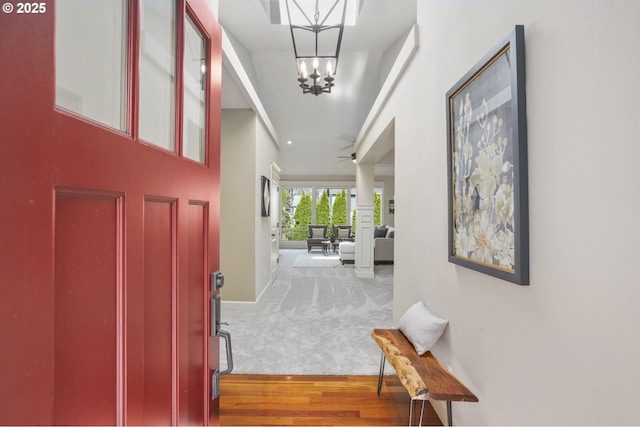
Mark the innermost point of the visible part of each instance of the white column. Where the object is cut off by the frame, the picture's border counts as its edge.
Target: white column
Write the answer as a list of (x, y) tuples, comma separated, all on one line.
[(364, 220), (364, 241)]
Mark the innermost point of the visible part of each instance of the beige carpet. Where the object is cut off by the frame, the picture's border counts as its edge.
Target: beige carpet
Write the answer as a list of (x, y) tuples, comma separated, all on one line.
[(311, 321), (316, 260)]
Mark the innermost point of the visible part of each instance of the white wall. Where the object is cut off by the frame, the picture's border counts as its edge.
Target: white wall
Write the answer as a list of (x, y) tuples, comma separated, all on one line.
[(214, 5), (266, 154), (245, 59), (565, 349), (389, 57)]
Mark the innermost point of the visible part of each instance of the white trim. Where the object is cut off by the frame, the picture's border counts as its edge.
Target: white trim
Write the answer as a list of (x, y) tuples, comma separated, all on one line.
[(264, 290), (364, 262), (275, 170), (239, 75), (365, 274), (276, 213), (249, 302), (238, 302)]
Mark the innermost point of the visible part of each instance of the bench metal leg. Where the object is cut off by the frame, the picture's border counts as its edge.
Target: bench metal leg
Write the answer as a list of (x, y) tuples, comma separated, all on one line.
[(381, 374), (449, 413), (410, 412), (411, 402)]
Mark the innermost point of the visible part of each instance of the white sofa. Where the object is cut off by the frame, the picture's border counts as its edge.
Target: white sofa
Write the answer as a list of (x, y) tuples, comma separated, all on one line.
[(383, 244), (382, 247), (347, 252)]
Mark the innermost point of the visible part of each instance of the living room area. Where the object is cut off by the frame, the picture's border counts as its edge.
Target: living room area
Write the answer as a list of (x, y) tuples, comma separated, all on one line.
[(322, 216), (315, 315)]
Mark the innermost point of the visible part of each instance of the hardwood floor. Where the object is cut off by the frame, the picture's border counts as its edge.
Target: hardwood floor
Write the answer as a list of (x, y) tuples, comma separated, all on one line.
[(251, 400)]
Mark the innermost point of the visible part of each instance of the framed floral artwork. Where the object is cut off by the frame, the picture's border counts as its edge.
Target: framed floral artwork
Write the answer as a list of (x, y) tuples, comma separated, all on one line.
[(487, 164)]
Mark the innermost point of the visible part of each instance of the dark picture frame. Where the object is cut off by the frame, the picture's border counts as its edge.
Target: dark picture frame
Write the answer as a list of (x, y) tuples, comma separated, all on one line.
[(487, 164), (265, 196)]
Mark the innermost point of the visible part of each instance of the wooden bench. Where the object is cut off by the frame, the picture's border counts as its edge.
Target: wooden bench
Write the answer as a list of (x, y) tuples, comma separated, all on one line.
[(422, 376)]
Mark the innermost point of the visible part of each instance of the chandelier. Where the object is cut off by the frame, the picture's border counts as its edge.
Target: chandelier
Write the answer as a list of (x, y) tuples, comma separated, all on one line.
[(316, 41)]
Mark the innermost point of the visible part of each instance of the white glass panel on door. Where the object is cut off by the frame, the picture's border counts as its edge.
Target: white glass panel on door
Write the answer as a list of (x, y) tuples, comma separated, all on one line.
[(91, 59), (195, 72), (158, 73)]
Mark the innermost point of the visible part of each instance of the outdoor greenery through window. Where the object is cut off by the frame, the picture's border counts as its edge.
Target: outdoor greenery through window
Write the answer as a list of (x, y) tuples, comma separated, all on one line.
[(296, 213), (304, 206)]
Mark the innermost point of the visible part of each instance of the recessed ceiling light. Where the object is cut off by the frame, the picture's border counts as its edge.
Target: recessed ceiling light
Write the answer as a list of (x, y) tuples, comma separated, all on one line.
[(289, 142)]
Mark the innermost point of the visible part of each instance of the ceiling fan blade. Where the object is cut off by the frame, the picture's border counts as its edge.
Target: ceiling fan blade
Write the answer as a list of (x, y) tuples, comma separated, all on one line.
[(352, 157)]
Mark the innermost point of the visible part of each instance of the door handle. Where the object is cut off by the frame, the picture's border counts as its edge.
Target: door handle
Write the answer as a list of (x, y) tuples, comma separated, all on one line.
[(227, 338), (217, 332), (215, 377), (217, 281)]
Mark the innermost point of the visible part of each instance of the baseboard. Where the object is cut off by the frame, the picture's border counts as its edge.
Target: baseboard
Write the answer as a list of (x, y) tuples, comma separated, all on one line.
[(249, 302), (264, 290), (223, 302), (367, 274)]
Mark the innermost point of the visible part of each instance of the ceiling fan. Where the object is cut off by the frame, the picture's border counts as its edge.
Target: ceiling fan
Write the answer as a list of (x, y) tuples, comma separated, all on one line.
[(351, 157)]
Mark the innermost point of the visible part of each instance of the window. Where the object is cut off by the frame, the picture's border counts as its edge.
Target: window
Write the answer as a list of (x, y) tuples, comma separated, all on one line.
[(377, 211), (331, 206), (194, 95), (319, 204), (158, 73), (93, 71), (91, 60), (296, 213)]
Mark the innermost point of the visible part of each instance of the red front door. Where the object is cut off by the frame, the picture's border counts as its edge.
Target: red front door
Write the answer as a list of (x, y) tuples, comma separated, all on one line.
[(107, 237)]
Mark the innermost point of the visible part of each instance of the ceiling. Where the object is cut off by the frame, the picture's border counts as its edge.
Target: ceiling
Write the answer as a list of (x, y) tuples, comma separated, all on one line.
[(320, 128)]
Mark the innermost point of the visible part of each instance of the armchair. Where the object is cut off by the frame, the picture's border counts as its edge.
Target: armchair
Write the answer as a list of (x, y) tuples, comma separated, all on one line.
[(341, 233), (317, 234)]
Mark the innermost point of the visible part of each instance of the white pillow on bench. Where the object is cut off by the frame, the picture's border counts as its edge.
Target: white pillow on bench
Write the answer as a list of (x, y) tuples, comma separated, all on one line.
[(421, 327)]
